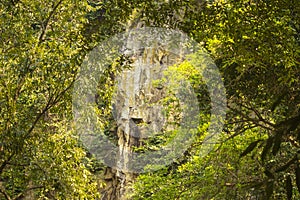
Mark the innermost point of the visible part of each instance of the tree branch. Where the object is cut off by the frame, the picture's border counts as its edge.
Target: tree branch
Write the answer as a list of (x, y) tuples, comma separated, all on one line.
[(3, 165), (46, 23), (253, 120), (2, 191), (22, 194)]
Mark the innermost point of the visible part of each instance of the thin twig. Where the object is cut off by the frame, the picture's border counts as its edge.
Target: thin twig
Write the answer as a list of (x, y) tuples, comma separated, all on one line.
[(45, 25)]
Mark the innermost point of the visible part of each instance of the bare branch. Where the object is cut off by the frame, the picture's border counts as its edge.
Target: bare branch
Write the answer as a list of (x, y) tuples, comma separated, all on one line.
[(253, 120)]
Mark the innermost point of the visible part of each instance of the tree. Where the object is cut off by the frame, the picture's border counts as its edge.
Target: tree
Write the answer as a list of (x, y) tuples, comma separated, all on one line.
[(41, 49), (256, 46), (259, 63)]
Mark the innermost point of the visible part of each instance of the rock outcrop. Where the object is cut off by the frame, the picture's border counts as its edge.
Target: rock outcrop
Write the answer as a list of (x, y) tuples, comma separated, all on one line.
[(137, 113)]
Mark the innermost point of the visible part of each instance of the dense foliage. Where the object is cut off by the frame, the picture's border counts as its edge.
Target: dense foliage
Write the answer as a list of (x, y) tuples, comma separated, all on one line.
[(41, 49), (255, 45)]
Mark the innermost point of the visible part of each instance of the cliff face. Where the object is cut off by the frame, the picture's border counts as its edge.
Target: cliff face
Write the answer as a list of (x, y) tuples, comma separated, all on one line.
[(138, 114)]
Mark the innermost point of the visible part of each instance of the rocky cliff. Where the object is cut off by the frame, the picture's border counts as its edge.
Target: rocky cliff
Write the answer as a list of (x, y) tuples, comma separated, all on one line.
[(137, 113)]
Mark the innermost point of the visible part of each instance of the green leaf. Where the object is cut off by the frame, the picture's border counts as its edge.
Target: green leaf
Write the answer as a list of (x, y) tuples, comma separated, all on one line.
[(250, 148), (269, 189), (297, 172), (267, 148), (277, 142), (269, 174), (289, 163), (289, 187)]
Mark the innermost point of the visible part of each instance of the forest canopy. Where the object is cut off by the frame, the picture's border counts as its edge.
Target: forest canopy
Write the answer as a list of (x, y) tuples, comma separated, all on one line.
[(255, 46)]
